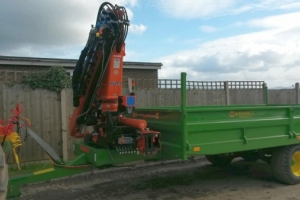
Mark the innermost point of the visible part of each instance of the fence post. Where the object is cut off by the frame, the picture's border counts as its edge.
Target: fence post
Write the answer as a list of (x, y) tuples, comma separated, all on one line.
[(184, 115), (266, 94), (64, 125), (226, 87), (297, 92), (129, 85)]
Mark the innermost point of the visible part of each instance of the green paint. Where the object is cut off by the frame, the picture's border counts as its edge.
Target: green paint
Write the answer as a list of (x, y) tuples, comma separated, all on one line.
[(78, 160), (100, 157), (16, 182), (183, 116), (222, 129)]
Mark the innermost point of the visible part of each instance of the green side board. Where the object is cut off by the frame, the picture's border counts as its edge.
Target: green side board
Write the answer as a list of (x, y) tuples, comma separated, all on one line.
[(206, 130)]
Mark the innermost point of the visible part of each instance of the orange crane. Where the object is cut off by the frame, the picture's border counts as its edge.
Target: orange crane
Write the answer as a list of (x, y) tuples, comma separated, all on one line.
[(97, 89)]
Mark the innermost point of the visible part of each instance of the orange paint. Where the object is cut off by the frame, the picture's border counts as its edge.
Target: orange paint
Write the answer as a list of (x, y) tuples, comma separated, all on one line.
[(141, 144), (111, 86), (108, 92), (136, 123), (196, 149)]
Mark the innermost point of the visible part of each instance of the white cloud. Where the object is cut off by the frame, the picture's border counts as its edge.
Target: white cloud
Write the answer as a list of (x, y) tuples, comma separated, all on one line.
[(286, 21), (208, 29), (137, 29), (271, 55), (190, 9), (193, 9), (49, 27), (125, 2), (133, 55)]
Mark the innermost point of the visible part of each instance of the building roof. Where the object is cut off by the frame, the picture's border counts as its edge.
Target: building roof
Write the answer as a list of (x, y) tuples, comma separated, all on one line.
[(67, 63)]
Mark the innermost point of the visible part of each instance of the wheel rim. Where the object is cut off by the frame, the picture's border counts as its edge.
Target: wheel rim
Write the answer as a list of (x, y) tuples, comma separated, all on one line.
[(295, 165)]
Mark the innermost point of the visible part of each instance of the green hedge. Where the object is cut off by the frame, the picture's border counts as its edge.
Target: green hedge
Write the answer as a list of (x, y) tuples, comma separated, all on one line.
[(55, 79)]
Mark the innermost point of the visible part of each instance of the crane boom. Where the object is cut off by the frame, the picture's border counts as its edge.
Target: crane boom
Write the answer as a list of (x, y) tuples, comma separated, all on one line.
[(97, 89)]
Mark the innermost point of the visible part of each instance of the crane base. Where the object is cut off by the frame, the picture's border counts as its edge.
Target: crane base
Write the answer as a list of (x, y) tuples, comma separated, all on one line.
[(106, 156)]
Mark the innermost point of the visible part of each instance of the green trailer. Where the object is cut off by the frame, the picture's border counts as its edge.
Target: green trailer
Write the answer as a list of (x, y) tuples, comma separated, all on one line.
[(220, 133)]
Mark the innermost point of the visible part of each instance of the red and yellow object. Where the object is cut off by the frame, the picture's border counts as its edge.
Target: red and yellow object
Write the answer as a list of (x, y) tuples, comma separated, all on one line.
[(7, 132), (15, 141)]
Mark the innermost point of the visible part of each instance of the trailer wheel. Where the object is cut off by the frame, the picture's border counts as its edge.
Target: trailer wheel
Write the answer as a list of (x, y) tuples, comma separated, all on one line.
[(3, 175), (285, 164), (219, 160)]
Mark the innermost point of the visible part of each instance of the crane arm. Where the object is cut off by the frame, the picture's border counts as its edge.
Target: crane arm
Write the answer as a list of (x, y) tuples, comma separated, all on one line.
[(98, 73), (97, 90)]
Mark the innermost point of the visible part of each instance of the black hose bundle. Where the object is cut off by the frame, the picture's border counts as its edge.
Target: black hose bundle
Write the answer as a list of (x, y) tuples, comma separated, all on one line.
[(116, 19), (111, 28)]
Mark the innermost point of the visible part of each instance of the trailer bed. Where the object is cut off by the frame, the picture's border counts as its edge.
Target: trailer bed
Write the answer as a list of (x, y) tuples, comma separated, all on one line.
[(205, 130)]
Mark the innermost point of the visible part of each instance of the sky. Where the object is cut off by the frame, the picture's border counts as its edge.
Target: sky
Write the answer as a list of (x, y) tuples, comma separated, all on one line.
[(211, 40)]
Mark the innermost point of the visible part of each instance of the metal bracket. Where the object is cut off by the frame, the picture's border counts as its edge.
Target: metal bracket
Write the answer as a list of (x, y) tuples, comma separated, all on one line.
[(292, 135), (187, 146), (244, 136), (47, 148)]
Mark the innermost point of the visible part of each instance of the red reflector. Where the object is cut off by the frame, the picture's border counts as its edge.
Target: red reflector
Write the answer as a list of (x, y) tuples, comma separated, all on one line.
[(85, 149)]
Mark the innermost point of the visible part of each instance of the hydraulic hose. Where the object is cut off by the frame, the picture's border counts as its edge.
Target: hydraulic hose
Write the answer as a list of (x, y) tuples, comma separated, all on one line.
[(115, 20)]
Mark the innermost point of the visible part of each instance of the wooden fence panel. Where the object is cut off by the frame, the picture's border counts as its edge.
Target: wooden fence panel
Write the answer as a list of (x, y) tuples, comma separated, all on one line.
[(68, 108), (50, 114), (284, 96), (172, 97), (42, 108), (246, 96)]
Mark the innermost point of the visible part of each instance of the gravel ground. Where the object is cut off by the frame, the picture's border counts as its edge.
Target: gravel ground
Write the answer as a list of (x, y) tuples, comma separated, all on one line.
[(195, 179)]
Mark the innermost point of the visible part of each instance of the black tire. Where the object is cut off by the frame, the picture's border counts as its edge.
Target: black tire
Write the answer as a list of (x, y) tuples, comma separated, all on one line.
[(3, 175), (219, 160), (285, 164)]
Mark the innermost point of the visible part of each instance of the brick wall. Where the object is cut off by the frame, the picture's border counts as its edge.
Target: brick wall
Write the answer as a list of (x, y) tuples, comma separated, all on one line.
[(23, 68), (140, 73), (15, 73), (131, 73), (143, 77)]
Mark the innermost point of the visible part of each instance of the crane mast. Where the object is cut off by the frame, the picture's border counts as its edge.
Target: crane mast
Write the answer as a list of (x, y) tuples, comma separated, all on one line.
[(99, 111)]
